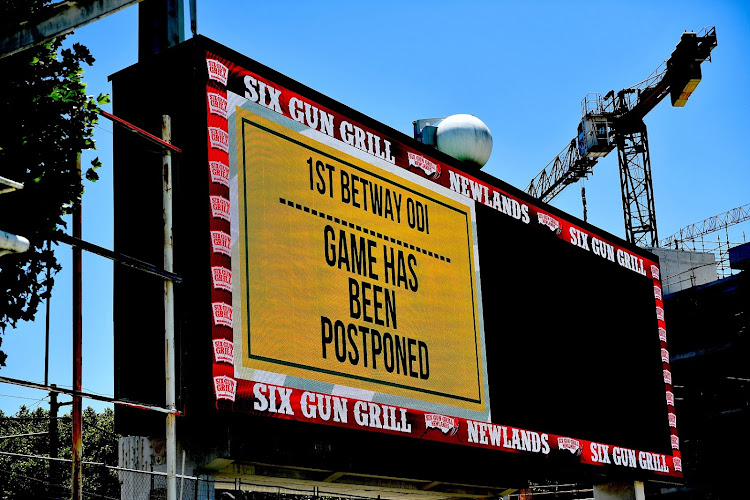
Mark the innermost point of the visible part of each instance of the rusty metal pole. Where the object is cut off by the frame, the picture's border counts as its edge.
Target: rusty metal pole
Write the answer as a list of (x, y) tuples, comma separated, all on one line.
[(76, 484), (169, 338)]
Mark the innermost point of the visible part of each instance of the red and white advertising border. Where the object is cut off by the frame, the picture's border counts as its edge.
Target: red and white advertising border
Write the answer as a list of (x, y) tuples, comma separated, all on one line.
[(294, 404), (225, 385)]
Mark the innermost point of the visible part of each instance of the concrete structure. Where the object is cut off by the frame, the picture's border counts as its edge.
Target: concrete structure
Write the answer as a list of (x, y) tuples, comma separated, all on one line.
[(682, 269)]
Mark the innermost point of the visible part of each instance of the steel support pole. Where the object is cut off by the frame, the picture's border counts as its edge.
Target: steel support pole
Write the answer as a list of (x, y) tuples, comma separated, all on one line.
[(52, 477), (76, 483), (46, 323), (169, 337)]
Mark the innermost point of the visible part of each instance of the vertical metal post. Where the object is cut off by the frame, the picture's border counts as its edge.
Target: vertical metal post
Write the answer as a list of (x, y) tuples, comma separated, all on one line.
[(76, 484), (169, 350), (194, 17), (182, 474), (46, 323), (53, 442)]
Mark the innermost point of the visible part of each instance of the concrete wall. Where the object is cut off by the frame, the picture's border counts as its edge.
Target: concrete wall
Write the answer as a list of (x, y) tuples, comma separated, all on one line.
[(681, 269)]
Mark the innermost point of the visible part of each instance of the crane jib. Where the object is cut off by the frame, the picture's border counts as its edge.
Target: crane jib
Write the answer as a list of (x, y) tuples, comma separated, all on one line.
[(617, 121)]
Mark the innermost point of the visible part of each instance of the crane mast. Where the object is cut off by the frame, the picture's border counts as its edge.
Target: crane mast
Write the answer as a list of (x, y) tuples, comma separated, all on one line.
[(616, 121)]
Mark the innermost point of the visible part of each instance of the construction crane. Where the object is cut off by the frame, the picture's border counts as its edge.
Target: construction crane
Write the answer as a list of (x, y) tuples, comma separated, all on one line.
[(711, 225), (695, 236), (616, 121)]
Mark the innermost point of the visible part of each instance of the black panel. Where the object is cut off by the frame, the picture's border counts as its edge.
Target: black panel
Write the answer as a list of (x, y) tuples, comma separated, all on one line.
[(572, 339)]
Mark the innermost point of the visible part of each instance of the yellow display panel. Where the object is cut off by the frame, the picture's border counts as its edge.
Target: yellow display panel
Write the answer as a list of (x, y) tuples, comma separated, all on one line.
[(352, 275)]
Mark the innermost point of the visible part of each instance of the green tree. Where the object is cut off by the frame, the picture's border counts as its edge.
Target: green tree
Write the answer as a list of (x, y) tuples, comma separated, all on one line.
[(20, 476), (47, 120), (24, 476)]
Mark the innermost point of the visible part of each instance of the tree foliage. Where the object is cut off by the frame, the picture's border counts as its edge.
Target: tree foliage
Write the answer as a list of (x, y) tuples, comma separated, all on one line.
[(24, 476), (47, 120)]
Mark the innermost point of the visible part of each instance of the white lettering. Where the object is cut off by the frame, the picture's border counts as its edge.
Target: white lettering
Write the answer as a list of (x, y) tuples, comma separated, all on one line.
[(295, 110), (307, 405), (346, 130), (261, 403), (251, 85)]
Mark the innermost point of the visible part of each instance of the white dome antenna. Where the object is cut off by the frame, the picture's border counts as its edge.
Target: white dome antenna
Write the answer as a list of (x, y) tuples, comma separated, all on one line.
[(464, 137)]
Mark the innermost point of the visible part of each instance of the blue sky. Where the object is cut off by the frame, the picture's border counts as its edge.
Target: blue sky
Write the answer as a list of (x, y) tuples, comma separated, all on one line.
[(521, 67)]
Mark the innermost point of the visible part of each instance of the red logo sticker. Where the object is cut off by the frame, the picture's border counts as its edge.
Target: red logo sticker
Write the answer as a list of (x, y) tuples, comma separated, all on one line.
[(220, 207), (217, 104), (550, 222), (662, 334), (219, 139), (675, 442), (217, 71), (672, 420), (222, 314), (225, 387), (570, 444), (222, 278), (221, 242), (660, 314), (432, 170), (655, 272), (219, 173), (223, 351), (447, 425)]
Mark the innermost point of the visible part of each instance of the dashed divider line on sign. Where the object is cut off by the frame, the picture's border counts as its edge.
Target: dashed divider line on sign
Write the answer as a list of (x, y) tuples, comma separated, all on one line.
[(362, 229)]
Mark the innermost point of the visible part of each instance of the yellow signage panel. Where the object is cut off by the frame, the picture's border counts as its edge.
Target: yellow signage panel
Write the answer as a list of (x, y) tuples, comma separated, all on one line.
[(352, 275)]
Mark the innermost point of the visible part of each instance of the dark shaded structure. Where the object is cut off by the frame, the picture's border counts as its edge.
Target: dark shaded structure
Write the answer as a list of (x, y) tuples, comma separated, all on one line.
[(708, 328)]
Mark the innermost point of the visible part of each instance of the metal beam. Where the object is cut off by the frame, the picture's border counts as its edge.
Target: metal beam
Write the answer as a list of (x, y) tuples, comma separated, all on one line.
[(62, 18), (567, 167), (87, 395), (139, 131), (11, 185), (114, 256)]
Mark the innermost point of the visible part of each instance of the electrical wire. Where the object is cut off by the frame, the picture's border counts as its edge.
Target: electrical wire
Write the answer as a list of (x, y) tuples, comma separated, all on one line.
[(38, 402), (48, 484), (17, 397)]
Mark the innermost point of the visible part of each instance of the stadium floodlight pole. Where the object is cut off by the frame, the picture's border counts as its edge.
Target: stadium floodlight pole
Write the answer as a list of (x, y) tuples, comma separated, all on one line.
[(169, 337)]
